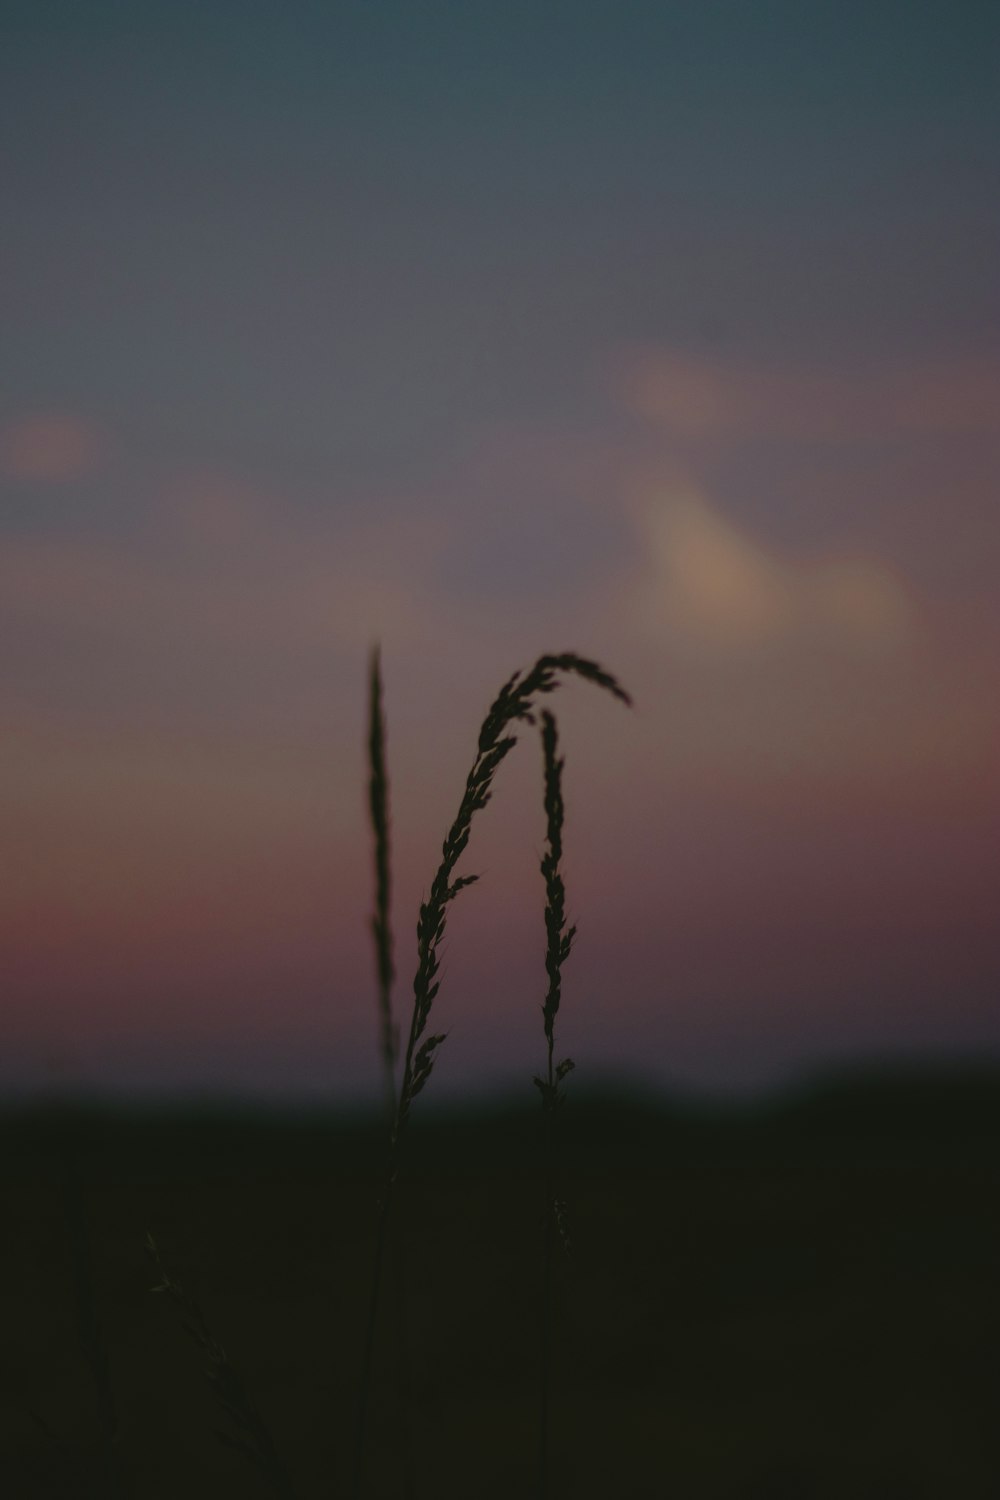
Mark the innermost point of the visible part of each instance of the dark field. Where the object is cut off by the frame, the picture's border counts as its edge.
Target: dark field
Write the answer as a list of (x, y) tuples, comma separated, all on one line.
[(796, 1301)]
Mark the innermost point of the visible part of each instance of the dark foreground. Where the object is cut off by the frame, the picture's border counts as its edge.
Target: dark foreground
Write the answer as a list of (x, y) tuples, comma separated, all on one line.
[(801, 1301)]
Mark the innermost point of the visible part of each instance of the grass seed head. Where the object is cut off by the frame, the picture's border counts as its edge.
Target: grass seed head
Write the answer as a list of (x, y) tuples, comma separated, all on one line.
[(514, 703)]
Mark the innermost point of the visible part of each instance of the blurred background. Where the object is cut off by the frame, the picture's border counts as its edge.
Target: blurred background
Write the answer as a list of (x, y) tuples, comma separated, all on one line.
[(666, 334)]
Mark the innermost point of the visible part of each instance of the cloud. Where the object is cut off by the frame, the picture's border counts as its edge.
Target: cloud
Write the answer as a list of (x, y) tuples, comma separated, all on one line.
[(217, 600), (706, 584), (703, 397), (50, 448), (89, 590)]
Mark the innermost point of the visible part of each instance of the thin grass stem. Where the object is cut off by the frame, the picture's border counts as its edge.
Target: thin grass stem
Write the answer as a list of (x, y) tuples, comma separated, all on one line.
[(514, 703), (251, 1436), (378, 805), (90, 1332), (559, 942)]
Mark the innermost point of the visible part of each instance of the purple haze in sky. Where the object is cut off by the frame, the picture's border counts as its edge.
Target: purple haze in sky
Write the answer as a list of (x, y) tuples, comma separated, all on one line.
[(664, 334)]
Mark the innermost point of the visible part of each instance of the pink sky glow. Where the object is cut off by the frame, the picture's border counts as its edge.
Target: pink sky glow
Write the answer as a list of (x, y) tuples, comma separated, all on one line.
[(664, 335)]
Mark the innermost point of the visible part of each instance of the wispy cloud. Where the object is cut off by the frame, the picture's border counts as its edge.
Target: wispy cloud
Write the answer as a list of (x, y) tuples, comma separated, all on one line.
[(221, 571), (51, 448), (697, 396), (705, 583)]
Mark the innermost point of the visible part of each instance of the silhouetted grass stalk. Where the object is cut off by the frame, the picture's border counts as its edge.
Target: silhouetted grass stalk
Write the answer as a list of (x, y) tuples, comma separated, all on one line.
[(559, 942), (252, 1437), (513, 703), (89, 1330), (378, 804)]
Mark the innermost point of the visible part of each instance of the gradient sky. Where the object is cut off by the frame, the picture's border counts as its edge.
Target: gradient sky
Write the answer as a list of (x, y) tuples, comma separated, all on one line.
[(665, 333)]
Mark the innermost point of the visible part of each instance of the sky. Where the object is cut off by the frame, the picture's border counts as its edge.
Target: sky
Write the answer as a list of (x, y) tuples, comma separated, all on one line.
[(666, 333)]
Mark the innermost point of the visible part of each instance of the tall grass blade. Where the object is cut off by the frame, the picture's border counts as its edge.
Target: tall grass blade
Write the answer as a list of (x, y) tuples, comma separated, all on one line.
[(245, 1430), (89, 1330), (514, 703), (378, 805), (558, 943)]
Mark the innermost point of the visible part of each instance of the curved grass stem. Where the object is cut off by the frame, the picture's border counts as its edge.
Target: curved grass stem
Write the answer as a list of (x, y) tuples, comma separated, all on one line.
[(514, 703)]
